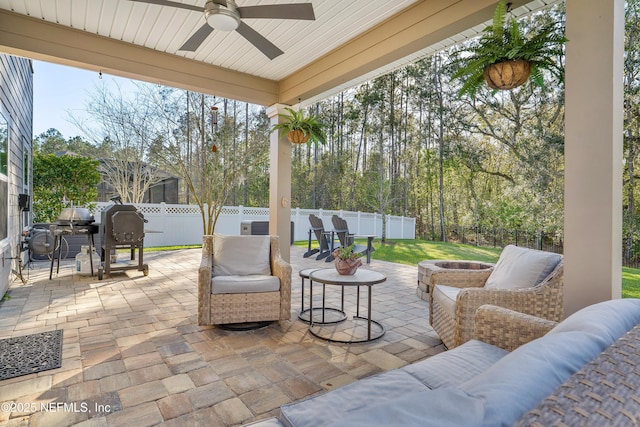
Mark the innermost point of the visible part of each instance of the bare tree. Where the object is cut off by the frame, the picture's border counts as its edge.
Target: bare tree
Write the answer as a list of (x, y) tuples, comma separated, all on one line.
[(194, 148), (124, 127)]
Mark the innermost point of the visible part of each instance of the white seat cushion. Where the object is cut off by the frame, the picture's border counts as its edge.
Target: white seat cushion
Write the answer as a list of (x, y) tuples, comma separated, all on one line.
[(521, 268), (446, 298), (241, 255), (244, 284)]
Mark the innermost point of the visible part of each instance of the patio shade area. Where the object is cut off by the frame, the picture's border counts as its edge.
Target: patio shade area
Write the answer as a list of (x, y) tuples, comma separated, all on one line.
[(133, 353), (594, 100)]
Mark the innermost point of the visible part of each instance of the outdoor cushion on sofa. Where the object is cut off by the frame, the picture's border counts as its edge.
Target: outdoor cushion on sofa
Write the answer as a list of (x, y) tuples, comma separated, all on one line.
[(454, 367), (446, 369), (432, 408), (520, 267), (519, 381)]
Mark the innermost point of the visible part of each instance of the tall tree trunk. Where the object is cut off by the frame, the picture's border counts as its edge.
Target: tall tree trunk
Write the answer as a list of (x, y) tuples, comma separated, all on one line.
[(246, 151), (203, 152), (438, 87), (188, 148)]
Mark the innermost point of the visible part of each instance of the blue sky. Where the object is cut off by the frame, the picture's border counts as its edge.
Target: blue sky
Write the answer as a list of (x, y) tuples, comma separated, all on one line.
[(61, 91)]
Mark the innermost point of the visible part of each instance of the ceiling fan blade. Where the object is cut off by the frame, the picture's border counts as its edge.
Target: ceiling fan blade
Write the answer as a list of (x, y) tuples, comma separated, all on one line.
[(172, 4), (197, 38), (279, 11), (256, 39)]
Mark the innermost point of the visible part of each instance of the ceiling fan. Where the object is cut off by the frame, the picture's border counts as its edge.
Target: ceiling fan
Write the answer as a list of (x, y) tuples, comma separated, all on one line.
[(225, 15)]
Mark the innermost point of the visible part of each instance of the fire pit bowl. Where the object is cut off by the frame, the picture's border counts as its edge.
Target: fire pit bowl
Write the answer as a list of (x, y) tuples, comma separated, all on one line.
[(428, 267)]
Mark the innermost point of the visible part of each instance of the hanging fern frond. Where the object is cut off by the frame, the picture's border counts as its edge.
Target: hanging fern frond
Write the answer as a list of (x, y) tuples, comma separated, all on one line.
[(504, 40), (499, 17)]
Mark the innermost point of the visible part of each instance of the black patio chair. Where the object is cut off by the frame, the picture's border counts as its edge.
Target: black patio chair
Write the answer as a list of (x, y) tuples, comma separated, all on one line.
[(324, 238), (341, 228)]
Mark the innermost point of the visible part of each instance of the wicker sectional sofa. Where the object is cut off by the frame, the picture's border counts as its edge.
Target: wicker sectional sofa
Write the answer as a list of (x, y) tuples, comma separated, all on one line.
[(581, 371)]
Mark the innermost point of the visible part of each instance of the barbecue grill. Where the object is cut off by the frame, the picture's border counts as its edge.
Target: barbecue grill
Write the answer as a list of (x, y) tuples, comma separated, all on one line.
[(71, 221), (122, 226)]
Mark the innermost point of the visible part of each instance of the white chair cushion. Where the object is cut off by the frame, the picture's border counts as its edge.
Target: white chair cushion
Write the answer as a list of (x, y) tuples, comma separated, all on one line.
[(241, 255), (244, 284), (446, 298), (521, 268)]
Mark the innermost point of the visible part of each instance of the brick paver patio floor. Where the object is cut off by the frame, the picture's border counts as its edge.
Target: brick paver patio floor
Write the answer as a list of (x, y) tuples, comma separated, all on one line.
[(133, 354)]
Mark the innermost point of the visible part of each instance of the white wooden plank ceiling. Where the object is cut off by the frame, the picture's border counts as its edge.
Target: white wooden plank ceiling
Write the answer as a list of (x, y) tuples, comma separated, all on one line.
[(166, 28)]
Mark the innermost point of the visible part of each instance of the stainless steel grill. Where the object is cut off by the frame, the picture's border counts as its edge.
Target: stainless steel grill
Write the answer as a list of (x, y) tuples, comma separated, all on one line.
[(75, 216), (71, 222), (122, 226)]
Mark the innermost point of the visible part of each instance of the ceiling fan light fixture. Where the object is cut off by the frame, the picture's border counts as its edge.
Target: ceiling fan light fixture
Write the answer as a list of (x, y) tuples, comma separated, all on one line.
[(222, 18)]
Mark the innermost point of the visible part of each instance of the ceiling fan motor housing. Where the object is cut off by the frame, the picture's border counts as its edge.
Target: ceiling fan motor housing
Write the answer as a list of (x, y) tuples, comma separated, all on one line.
[(220, 17)]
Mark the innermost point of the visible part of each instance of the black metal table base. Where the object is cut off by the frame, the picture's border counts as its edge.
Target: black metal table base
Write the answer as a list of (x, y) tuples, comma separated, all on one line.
[(332, 333), (324, 316), (321, 315)]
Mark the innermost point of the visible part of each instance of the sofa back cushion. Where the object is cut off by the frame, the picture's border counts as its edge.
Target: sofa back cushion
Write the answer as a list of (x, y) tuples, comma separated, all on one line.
[(519, 381), (610, 319), (241, 255), (520, 267)]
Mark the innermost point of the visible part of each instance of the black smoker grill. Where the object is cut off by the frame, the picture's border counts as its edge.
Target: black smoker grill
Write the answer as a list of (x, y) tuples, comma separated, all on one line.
[(122, 226)]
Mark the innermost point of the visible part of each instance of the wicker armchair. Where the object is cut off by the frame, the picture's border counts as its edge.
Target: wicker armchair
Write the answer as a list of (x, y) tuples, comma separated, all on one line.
[(508, 329), (226, 296), (456, 294)]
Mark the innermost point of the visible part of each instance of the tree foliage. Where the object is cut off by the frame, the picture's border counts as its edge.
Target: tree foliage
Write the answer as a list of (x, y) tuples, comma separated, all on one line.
[(221, 159), (60, 182), (401, 144)]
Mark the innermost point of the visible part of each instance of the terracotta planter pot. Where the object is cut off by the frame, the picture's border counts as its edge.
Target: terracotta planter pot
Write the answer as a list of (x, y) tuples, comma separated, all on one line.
[(296, 136), (347, 267), (508, 74)]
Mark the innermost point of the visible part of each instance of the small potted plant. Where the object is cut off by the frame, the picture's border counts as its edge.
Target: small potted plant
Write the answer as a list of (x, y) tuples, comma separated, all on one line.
[(347, 262), (505, 56), (301, 129)]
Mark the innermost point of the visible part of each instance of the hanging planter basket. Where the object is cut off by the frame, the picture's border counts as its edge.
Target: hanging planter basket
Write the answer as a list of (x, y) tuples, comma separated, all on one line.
[(508, 74), (297, 136)]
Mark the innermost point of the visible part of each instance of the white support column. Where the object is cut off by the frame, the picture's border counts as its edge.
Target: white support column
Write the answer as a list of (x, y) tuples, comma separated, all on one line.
[(593, 152), (280, 185)]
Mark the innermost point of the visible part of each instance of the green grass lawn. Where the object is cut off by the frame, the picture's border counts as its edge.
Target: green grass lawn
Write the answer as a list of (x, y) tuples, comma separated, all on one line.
[(411, 252), (630, 282)]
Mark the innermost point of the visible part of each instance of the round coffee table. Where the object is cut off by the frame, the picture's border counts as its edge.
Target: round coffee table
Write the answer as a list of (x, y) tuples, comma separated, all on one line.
[(362, 277)]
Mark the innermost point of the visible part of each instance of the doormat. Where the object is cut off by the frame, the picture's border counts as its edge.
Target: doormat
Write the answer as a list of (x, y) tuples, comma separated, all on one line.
[(30, 354)]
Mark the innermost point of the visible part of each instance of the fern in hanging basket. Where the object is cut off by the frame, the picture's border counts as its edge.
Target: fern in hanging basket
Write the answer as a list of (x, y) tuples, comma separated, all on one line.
[(505, 56), (301, 129)]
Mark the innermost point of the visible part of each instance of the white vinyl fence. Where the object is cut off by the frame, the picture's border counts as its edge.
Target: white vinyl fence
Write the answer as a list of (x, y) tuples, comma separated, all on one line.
[(182, 224)]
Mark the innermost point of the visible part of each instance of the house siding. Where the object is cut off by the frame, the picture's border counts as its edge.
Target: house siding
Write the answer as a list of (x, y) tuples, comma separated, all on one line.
[(16, 106)]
